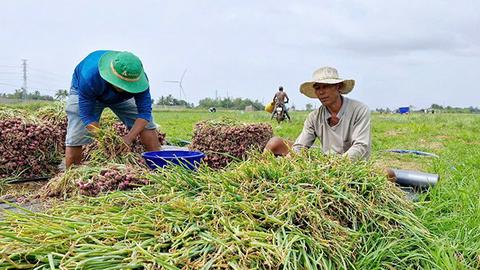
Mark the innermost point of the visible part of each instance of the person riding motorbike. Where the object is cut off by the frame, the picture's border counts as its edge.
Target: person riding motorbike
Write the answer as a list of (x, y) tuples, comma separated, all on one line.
[(280, 99)]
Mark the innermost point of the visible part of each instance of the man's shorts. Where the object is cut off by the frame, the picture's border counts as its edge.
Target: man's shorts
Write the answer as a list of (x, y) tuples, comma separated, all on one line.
[(77, 133)]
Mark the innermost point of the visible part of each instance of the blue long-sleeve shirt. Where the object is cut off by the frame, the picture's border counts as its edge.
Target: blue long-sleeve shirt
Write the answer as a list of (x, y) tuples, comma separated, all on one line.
[(91, 87)]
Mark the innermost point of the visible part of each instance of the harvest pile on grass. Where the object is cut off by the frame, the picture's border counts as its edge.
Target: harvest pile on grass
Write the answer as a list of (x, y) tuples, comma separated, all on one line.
[(113, 178), (307, 212), (92, 180), (108, 145), (32, 144), (55, 116), (137, 146), (109, 165), (225, 140), (9, 113), (29, 149)]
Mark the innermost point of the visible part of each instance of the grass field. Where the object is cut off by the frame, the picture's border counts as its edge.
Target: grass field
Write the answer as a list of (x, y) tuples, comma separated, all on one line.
[(451, 210)]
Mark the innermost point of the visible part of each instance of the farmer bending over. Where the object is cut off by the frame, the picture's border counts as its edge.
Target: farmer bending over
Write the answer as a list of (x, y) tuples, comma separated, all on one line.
[(108, 79), (341, 124), (280, 99)]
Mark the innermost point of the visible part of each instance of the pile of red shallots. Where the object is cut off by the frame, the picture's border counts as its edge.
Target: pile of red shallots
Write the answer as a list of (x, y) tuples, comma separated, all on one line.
[(92, 180), (32, 144), (111, 179), (29, 149), (223, 141), (55, 116)]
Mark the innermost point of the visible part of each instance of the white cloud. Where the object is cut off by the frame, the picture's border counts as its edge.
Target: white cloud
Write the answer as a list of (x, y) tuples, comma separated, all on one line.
[(409, 50)]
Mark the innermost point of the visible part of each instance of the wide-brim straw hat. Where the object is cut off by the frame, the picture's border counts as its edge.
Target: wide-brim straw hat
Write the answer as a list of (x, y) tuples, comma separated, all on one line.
[(326, 75)]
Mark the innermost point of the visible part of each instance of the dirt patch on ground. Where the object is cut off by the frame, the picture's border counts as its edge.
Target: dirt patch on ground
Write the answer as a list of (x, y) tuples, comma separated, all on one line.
[(21, 189), (473, 143), (443, 137), (404, 162), (393, 133), (19, 196), (398, 164), (432, 145)]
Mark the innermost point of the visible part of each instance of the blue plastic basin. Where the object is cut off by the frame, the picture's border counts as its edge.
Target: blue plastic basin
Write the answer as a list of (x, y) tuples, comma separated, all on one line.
[(184, 158)]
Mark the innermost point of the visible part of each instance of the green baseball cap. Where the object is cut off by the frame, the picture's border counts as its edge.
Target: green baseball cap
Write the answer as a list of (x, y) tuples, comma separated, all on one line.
[(124, 70)]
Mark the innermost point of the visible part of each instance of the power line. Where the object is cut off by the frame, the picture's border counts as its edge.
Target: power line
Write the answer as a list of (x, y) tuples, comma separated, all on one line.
[(47, 91), (46, 79), (10, 72), (8, 66), (8, 84), (46, 72), (32, 78)]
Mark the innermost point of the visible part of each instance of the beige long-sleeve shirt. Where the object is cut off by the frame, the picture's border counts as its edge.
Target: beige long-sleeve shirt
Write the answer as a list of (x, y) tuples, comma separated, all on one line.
[(350, 136)]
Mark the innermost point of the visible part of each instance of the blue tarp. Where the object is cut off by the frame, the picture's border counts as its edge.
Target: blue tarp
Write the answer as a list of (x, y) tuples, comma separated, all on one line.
[(403, 110)]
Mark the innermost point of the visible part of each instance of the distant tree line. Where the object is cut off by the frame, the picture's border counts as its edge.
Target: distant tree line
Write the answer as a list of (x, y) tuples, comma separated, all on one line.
[(437, 108), (227, 103), (171, 101), (451, 109), (18, 94), (230, 103)]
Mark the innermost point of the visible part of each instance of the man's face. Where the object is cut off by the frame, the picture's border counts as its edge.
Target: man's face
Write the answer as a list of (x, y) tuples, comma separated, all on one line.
[(328, 94), (118, 89)]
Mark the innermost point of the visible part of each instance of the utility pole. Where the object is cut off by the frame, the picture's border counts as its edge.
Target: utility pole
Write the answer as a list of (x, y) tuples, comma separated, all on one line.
[(24, 87), (228, 99)]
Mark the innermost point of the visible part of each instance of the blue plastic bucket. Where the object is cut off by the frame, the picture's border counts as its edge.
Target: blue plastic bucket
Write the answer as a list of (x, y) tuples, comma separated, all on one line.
[(186, 159)]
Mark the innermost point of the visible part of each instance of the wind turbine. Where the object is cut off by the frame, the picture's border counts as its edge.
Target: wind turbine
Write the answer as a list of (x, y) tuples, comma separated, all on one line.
[(180, 86)]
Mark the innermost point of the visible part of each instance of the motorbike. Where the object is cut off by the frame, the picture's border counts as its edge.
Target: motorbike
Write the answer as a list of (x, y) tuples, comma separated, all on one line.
[(279, 113)]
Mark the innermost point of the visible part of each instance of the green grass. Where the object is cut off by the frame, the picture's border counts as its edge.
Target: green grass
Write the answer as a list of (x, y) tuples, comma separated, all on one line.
[(30, 106), (180, 124), (451, 210), (307, 212)]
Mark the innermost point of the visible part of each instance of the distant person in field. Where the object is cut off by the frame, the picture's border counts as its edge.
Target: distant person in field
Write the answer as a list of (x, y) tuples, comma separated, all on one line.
[(280, 99), (342, 124), (108, 79)]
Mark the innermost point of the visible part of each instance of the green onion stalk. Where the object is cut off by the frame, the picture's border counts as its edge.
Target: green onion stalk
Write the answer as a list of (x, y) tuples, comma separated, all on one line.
[(305, 212)]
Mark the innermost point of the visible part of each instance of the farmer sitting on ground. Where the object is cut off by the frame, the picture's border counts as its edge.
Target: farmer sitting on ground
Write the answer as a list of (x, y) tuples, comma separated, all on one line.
[(341, 124), (279, 99), (108, 79)]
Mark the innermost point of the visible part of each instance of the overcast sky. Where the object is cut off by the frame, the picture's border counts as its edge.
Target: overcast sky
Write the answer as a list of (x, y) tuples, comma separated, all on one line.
[(399, 52)]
